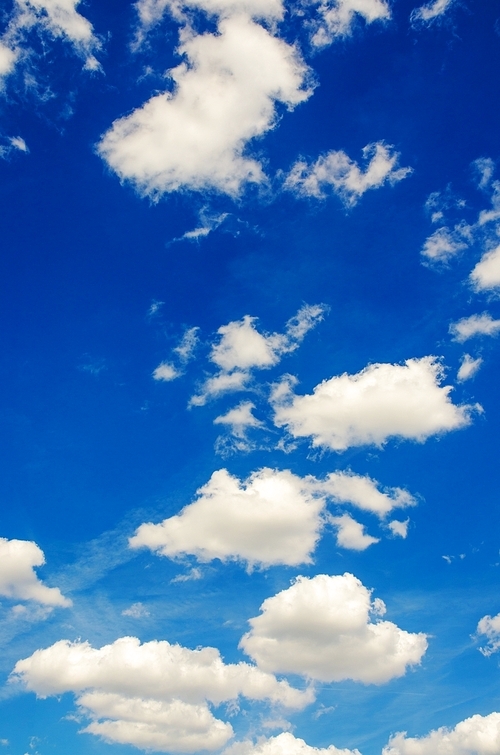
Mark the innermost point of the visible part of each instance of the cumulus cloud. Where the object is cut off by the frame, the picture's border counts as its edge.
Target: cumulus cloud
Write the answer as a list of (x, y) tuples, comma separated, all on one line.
[(241, 348), (380, 402), (486, 274), (475, 325), (18, 580), (444, 243), (270, 518), (336, 171), (166, 372), (399, 529), (322, 628), (477, 735), (468, 368), (284, 744), (351, 534), (489, 627), (155, 695), (430, 11), (336, 18), (223, 96), (273, 517), (54, 18)]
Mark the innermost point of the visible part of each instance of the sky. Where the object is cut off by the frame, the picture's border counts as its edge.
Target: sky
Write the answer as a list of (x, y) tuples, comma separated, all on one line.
[(250, 281)]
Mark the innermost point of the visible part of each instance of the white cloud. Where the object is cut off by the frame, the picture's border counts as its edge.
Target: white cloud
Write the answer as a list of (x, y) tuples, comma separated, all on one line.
[(166, 372), (336, 171), (429, 12), (321, 628), (468, 368), (444, 244), (270, 518), (486, 274), (364, 493), (224, 96), (57, 19), (136, 611), (380, 402), (185, 350), (484, 167), (284, 744), (489, 627), (475, 325), (273, 517), (399, 529), (18, 143), (351, 534), (152, 695), (489, 216), (336, 18), (241, 348), (151, 11), (239, 419), (477, 735), (18, 580)]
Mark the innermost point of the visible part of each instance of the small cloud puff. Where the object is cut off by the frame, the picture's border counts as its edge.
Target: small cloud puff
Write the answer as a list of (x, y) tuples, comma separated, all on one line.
[(486, 274), (477, 735), (468, 368), (380, 402), (321, 628), (18, 580), (489, 627), (473, 326), (337, 172), (136, 611), (336, 18), (428, 13)]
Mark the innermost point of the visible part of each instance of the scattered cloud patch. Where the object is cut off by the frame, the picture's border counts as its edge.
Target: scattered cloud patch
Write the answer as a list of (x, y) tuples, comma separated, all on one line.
[(224, 95), (486, 274), (429, 12), (473, 326), (468, 368), (444, 243), (184, 352), (477, 735), (382, 401), (238, 422), (12, 144), (322, 628), (364, 493), (398, 528), (166, 372), (484, 169), (336, 172), (284, 744), (18, 579), (136, 611), (242, 348), (489, 627), (351, 534), (153, 696), (336, 18)]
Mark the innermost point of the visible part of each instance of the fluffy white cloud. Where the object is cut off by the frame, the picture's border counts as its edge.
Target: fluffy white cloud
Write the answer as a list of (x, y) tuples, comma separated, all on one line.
[(166, 372), (151, 11), (429, 12), (477, 735), (153, 695), (224, 96), (475, 325), (239, 419), (336, 18), (381, 401), (241, 348), (489, 627), (486, 274), (351, 534), (399, 529), (468, 367), (56, 18), (284, 744), (273, 517), (18, 580), (336, 171), (444, 244), (321, 628)]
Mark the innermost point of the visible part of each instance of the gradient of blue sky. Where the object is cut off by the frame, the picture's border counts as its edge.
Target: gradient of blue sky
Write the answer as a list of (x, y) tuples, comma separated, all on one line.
[(291, 265)]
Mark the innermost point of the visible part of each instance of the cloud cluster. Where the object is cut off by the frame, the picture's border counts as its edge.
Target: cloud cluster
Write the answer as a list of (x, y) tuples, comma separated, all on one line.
[(273, 517), (321, 628), (18, 580), (382, 401), (284, 744), (224, 95), (489, 627), (155, 695), (336, 171), (336, 18), (242, 348), (477, 735), (53, 18)]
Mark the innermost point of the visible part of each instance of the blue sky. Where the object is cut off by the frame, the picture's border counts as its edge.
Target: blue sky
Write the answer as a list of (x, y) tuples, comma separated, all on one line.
[(250, 301)]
